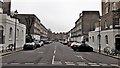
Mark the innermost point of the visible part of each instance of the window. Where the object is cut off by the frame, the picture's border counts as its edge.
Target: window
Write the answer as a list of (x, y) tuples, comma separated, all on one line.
[(106, 10), (119, 21), (114, 7), (22, 35), (1, 34), (17, 33), (92, 38), (10, 33), (106, 39), (106, 1)]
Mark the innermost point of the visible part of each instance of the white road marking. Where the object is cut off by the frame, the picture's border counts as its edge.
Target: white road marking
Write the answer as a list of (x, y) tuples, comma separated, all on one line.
[(54, 51), (82, 63), (95, 65), (53, 59), (80, 57), (92, 63), (69, 63), (114, 64), (102, 64), (29, 63), (57, 63)]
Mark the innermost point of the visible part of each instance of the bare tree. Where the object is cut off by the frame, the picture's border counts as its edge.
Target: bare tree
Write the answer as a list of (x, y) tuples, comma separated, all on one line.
[(30, 22)]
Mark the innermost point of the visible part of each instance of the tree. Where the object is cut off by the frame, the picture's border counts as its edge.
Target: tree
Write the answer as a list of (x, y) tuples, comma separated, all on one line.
[(30, 22)]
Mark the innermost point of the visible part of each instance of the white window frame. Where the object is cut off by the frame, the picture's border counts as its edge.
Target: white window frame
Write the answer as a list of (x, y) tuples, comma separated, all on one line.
[(119, 21), (17, 34), (106, 10), (114, 7), (10, 33)]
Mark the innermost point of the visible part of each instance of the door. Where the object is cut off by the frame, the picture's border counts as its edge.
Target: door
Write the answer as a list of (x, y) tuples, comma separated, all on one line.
[(117, 42), (1, 34)]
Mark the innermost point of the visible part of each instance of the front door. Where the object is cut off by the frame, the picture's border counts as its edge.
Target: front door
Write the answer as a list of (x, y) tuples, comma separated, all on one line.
[(117, 43)]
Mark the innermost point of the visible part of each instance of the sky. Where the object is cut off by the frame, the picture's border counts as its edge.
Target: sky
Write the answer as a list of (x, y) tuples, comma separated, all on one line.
[(57, 15)]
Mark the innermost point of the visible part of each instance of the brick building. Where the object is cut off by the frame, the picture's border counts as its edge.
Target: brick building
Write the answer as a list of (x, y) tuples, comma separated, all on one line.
[(83, 25), (7, 7), (109, 26), (34, 26)]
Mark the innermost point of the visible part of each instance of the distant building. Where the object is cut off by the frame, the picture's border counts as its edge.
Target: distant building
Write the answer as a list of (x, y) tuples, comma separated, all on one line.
[(34, 26), (58, 36), (83, 25)]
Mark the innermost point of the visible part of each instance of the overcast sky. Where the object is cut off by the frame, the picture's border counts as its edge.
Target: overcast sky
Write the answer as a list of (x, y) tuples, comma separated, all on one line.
[(58, 15)]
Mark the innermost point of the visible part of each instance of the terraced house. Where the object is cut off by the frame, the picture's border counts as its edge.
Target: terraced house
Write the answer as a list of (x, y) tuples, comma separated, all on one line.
[(34, 26), (11, 31), (83, 25), (108, 28)]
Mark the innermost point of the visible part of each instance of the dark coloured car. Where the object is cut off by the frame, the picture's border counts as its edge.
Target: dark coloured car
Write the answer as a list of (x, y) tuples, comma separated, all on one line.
[(75, 46), (85, 48), (47, 42), (30, 45)]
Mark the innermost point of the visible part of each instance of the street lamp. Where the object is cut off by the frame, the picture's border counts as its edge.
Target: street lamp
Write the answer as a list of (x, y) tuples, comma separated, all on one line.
[(15, 16), (99, 36)]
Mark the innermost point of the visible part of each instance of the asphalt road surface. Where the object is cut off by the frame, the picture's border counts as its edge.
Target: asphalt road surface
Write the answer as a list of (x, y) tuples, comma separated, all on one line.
[(57, 55)]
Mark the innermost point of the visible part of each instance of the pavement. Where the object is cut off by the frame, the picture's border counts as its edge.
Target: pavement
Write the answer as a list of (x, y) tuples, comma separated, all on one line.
[(10, 52), (102, 52)]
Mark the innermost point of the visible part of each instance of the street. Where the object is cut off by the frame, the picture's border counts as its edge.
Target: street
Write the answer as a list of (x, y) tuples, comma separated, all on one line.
[(57, 54)]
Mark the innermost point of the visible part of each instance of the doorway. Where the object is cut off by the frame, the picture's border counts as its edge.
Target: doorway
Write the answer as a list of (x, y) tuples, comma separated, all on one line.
[(117, 42)]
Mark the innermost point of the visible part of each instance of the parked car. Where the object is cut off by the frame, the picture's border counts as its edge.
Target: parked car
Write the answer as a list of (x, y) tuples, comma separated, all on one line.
[(47, 42), (85, 48), (75, 46), (65, 42), (30, 45), (69, 43), (39, 44), (42, 43)]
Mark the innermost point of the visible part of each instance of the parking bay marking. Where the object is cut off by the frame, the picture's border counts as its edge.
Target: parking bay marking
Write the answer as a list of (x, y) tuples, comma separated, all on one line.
[(82, 64), (69, 63), (80, 57)]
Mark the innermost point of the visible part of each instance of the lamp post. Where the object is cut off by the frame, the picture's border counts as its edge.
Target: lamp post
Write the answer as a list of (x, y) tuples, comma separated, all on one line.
[(99, 36), (15, 15)]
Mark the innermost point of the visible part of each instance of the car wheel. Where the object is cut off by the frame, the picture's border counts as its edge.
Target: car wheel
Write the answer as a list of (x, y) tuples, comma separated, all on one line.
[(33, 48)]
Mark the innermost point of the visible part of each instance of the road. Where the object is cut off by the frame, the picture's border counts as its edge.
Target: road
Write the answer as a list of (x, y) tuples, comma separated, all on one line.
[(57, 55)]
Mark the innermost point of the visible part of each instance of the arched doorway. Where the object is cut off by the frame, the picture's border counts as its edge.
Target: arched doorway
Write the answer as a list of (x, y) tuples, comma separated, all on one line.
[(1, 34), (117, 42)]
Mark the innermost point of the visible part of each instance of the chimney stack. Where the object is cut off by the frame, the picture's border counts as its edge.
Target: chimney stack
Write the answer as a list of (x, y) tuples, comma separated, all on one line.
[(7, 7)]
